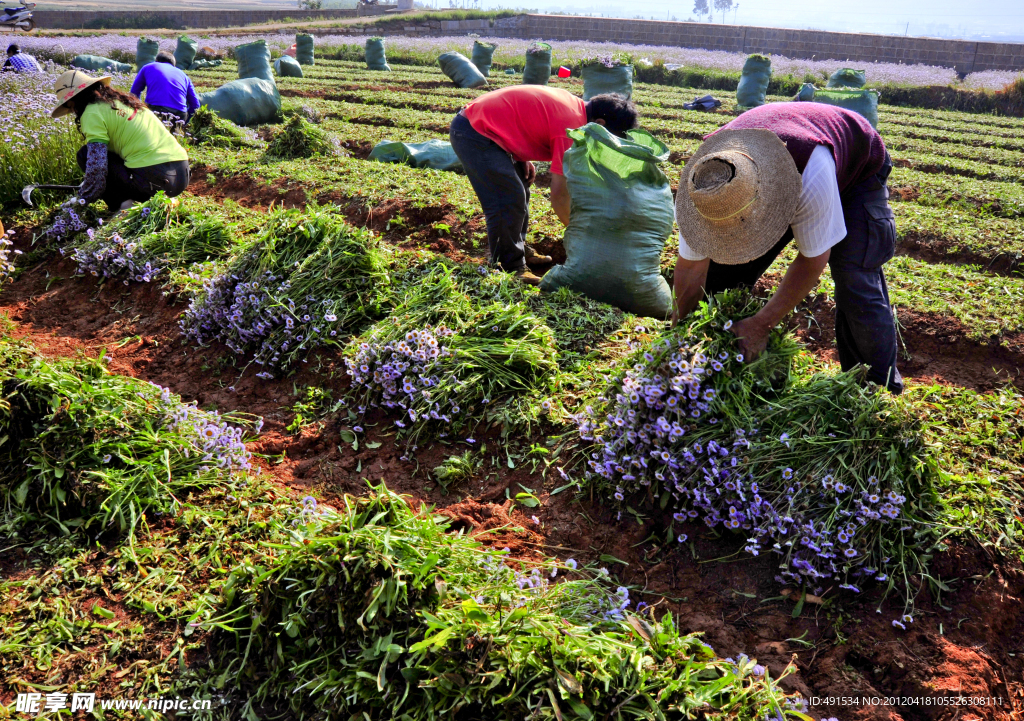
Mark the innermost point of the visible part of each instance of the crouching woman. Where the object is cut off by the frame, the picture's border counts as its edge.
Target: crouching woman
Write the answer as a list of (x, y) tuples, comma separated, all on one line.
[(128, 156)]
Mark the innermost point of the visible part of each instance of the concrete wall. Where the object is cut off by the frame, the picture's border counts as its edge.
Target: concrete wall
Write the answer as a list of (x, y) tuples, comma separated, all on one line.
[(77, 19), (964, 56)]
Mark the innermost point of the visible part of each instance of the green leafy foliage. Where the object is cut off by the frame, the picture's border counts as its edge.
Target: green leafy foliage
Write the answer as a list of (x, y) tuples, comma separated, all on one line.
[(81, 448), (208, 128), (379, 611), (161, 234), (456, 469), (301, 139)]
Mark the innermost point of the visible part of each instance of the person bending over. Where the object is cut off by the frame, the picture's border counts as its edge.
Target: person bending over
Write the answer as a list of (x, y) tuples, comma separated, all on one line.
[(129, 156), (807, 172), (498, 136), (20, 62), (169, 91)]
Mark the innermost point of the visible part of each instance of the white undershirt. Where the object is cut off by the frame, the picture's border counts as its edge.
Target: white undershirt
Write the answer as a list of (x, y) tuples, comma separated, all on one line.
[(818, 223)]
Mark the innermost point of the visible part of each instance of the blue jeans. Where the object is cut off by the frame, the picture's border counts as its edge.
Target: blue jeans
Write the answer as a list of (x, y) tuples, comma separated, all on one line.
[(500, 185), (865, 327)]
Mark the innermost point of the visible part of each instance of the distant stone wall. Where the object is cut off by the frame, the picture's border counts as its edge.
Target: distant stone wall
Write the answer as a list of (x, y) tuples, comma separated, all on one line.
[(77, 19), (962, 55)]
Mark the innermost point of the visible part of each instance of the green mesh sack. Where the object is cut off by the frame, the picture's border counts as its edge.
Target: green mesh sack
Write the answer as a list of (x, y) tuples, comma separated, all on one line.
[(254, 61), (620, 217), (436, 154), (599, 79), (185, 52), (538, 65), (97, 63), (145, 52), (757, 71), (375, 57), (202, 63), (847, 78), (482, 54), (864, 102), (287, 67), (251, 101), (304, 48), (807, 91), (461, 71)]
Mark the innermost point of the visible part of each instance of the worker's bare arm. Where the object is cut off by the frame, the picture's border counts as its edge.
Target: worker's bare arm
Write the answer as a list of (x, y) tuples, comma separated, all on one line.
[(688, 285), (560, 201), (801, 278)]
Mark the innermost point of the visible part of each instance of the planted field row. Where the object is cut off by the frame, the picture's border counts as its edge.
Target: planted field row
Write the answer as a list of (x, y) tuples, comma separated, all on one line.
[(981, 198)]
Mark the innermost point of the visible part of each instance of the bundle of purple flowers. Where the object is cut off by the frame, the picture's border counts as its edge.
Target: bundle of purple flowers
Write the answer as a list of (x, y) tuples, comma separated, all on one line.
[(114, 258), (307, 279), (6, 262), (828, 501), (403, 373), (221, 446)]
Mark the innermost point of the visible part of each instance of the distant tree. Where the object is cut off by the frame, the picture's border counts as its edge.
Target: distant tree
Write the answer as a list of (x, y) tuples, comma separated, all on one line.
[(724, 6), (311, 4), (701, 8)]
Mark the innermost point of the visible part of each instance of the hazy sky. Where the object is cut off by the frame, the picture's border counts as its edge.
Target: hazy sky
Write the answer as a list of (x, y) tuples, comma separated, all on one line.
[(994, 18)]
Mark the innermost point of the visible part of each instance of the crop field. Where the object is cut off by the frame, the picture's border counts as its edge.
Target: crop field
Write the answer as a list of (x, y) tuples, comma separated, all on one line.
[(287, 444)]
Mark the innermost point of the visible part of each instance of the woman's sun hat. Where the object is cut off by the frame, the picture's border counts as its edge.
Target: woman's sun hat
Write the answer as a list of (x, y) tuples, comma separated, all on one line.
[(71, 84), (737, 195)]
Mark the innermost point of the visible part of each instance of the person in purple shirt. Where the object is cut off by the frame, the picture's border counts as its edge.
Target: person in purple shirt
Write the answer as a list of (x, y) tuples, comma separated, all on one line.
[(169, 91)]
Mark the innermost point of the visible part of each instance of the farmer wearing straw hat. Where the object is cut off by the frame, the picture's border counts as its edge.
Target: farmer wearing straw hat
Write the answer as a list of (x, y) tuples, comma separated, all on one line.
[(804, 172), (129, 155)]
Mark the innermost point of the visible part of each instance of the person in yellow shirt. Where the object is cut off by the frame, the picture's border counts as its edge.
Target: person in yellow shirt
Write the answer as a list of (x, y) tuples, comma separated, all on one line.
[(128, 156)]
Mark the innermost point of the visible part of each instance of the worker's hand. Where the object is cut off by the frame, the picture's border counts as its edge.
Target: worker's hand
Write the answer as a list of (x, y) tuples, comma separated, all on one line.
[(531, 172), (753, 337)]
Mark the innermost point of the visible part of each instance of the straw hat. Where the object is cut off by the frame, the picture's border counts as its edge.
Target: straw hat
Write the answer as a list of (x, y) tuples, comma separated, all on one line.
[(71, 84), (737, 195)]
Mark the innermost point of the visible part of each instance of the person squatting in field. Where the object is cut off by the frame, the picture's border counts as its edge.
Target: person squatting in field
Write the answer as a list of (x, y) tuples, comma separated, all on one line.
[(20, 62), (499, 134), (129, 155), (805, 172), (169, 91)]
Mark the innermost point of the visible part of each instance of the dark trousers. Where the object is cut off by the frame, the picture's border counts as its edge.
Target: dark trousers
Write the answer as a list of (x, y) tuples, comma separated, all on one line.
[(500, 185), (173, 119), (865, 327), (139, 184)]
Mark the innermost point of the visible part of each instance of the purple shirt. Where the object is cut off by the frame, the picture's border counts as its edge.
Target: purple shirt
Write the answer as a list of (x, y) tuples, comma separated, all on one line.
[(167, 87), (856, 147)]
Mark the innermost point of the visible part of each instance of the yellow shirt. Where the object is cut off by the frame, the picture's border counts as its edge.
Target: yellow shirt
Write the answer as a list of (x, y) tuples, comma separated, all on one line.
[(137, 136)]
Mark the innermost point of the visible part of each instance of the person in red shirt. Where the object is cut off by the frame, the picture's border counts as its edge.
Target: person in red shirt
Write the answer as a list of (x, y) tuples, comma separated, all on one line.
[(499, 135)]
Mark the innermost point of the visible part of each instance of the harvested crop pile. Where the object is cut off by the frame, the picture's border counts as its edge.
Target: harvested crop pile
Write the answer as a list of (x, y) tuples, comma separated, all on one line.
[(832, 476), (208, 128), (301, 139), (307, 281), (376, 612), (459, 349), (81, 448), (150, 238)]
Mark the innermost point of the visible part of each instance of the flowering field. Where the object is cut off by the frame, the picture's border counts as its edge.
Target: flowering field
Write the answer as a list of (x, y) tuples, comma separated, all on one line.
[(289, 444), (510, 52)]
